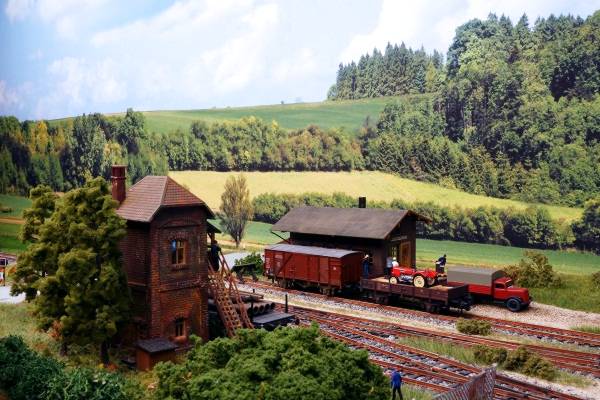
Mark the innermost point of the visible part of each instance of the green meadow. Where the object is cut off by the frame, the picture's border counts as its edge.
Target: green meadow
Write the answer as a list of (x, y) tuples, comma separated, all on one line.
[(348, 114)]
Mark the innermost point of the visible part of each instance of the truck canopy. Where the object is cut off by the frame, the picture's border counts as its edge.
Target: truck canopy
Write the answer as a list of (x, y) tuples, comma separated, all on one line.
[(474, 275)]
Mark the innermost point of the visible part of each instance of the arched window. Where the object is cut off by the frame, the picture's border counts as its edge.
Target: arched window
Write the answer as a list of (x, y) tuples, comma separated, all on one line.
[(178, 250), (180, 327)]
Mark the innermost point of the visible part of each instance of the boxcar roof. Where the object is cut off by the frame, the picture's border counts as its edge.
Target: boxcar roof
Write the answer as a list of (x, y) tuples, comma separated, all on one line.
[(147, 196), (367, 223), (311, 250)]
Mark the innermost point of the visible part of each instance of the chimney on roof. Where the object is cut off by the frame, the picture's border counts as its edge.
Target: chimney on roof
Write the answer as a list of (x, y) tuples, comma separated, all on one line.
[(118, 182), (362, 202)]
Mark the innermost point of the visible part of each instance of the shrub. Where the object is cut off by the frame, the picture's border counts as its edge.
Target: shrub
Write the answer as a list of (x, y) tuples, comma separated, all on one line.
[(288, 363), (596, 279), (473, 327), (534, 270), (489, 355), (87, 384), (24, 374), (252, 258), (524, 361)]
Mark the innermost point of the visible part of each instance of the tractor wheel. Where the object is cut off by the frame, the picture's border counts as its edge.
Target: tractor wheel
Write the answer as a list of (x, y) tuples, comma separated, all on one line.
[(430, 281), (393, 279), (513, 304), (419, 281)]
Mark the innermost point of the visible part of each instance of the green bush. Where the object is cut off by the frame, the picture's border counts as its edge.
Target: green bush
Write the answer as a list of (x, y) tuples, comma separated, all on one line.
[(87, 384), (596, 279), (288, 363), (524, 361), (252, 258), (24, 374), (534, 271), (489, 355), (473, 326)]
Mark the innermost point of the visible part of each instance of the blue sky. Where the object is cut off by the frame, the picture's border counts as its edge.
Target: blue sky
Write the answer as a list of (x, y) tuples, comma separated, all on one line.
[(68, 57)]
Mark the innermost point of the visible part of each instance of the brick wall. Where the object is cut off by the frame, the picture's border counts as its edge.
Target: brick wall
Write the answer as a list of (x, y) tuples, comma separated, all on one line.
[(161, 293), (178, 291)]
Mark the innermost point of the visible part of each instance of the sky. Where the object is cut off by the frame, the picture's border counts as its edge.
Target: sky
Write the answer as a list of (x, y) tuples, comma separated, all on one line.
[(62, 58)]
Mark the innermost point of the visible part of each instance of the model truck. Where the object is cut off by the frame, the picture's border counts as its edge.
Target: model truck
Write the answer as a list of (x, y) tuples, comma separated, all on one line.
[(490, 285)]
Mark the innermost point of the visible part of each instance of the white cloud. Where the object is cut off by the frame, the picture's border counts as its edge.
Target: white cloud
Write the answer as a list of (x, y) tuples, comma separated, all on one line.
[(301, 65), (8, 97), (67, 16), (77, 82), (18, 9), (241, 59), (432, 23), (193, 50)]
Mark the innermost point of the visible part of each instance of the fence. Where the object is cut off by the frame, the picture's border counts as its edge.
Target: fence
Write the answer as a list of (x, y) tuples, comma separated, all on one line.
[(480, 387)]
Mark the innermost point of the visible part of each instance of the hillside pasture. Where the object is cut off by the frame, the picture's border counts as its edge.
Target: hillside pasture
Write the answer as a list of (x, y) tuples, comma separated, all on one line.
[(348, 114), (379, 186)]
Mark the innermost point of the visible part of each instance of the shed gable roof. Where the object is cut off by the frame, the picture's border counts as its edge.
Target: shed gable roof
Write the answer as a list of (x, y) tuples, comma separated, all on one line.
[(151, 193), (368, 223)]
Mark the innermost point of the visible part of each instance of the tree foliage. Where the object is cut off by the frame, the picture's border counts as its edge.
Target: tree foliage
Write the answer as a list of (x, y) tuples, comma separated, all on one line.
[(236, 207), (75, 266), (587, 230), (284, 364)]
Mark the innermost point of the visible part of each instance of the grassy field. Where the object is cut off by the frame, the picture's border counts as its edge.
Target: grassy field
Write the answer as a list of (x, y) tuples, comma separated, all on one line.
[(208, 185), (17, 203), (349, 114)]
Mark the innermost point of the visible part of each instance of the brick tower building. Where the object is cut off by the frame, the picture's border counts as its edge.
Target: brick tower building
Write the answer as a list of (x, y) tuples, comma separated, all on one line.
[(164, 257)]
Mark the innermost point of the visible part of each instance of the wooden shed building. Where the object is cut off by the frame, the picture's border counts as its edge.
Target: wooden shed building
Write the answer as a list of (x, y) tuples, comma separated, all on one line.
[(164, 257), (380, 233)]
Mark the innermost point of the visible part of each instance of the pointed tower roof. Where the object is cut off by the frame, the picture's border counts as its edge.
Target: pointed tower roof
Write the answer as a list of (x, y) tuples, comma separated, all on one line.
[(151, 193)]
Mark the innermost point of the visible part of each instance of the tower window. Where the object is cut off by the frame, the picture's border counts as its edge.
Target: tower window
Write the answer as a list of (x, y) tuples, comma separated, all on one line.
[(178, 251), (179, 327)]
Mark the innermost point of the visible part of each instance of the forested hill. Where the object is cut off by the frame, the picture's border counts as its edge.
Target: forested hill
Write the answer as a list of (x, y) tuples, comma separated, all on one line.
[(560, 53), (522, 100)]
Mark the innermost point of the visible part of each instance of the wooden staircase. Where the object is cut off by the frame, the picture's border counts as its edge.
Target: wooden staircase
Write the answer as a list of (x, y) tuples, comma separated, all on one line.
[(226, 296)]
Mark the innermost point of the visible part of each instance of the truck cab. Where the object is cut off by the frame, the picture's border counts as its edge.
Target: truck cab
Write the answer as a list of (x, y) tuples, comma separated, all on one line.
[(514, 297)]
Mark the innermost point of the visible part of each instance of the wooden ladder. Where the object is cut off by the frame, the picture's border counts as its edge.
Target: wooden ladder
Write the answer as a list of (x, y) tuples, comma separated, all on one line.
[(226, 296)]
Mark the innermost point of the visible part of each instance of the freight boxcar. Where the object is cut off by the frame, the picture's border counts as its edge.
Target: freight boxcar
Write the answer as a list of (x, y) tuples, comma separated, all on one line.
[(329, 270)]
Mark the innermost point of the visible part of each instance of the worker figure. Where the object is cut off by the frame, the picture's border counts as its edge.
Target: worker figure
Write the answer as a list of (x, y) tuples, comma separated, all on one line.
[(213, 253), (440, 265), (388, 267), (396, 383), (366, 266)]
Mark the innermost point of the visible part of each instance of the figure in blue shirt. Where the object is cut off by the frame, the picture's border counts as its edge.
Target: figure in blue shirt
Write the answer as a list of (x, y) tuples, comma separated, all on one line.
[(396, 381)]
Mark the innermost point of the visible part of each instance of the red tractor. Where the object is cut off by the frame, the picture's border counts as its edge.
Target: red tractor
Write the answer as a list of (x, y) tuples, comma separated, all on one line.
[(416, 277)]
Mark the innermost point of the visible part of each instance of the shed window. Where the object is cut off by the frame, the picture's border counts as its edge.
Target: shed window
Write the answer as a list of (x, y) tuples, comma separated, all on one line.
[(179, 327), (178, 248)]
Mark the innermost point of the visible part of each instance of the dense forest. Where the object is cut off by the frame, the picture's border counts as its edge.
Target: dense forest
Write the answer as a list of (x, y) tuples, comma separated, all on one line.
[(518, 105), (512, 112)]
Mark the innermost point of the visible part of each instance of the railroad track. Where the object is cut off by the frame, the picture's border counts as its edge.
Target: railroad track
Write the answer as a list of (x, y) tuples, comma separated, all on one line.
[(574, 361), (511, 327), (420, 368)]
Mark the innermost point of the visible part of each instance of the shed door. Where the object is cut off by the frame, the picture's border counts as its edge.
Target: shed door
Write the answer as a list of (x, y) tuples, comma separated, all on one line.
[(324, 270), (405, 254)]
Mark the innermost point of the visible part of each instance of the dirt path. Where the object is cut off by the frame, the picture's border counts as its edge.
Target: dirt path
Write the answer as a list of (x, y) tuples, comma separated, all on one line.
[(11, 220)]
